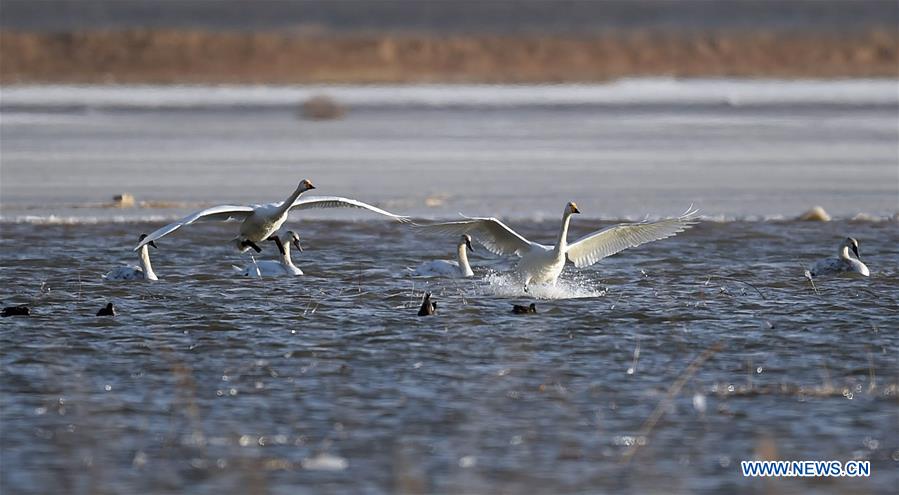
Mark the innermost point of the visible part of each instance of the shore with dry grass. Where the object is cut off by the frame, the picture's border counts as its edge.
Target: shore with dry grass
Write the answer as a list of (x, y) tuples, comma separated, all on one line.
[(188, 57)]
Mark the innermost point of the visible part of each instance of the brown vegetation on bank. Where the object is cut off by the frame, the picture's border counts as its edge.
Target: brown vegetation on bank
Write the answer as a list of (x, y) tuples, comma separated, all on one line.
[(173, 56)]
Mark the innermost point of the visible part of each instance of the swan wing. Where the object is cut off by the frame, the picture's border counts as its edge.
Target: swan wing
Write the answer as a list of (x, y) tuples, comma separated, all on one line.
[(308, 202), (598, 245), (221, 213), (494, 235)]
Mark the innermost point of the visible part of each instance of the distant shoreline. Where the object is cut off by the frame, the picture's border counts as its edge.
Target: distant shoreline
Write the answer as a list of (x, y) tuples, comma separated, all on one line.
[(211, 57)]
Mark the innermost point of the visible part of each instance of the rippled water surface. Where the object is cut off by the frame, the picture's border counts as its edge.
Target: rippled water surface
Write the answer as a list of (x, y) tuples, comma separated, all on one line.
[(331, 383), (206, 382)]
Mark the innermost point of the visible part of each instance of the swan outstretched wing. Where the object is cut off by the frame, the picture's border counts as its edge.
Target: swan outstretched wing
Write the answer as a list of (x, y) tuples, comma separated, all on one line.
[(494, 235), (307, 202), (598, 245), (220, 213)]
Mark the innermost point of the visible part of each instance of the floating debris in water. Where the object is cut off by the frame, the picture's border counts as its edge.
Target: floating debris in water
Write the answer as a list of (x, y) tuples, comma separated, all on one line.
[(815, 214), (865, 217), (123, 200)]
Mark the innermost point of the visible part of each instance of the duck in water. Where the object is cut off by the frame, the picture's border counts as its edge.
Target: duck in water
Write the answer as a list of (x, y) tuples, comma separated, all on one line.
[(428, 307), (108, 310), (518, 309), (16, 311)]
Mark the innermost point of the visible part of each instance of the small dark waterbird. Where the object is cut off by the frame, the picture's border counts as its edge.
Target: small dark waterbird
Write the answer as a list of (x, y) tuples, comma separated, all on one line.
[(108, 310), (519, 309), (428, 307), (142, 272), (16, 311)]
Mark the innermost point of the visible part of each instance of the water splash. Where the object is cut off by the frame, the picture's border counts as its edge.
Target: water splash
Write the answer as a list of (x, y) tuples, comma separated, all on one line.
[(509, 285)]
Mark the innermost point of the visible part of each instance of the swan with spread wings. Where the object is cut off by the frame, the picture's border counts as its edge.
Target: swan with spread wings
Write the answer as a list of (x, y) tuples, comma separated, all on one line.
[(259, 222), (541, 264)]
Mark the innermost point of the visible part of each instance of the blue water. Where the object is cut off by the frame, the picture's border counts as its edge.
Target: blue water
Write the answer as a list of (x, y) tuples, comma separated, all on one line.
[(329, 383)]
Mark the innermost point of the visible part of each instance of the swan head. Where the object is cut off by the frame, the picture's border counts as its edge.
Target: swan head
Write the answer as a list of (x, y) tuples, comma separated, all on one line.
[(292, 237), (305, 185), (151, 243), (571, 208), (285, 237), (852, 244), (465, 240)]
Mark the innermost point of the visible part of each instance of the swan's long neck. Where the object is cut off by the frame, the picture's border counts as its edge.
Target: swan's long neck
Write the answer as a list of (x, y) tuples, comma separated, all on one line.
[(145, 263), (285, 206), (562, 242), (464, 267), (285, 256), (844, 253), (285, 260)]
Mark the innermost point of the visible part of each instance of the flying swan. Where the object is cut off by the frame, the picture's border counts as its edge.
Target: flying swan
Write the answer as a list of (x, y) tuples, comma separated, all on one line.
[(142, 272), (284, 265), (542, 264), (449, 268), (844, 262), (259, 222)]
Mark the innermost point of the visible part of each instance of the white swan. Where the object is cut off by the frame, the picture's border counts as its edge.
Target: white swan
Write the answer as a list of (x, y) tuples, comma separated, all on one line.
[(543, 264), (449, 268), (844, 262), (259, 222), (142, 272), (284, 265)]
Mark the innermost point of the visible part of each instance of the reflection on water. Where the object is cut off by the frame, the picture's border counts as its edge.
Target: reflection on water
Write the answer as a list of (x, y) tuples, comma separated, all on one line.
[(329, 382)]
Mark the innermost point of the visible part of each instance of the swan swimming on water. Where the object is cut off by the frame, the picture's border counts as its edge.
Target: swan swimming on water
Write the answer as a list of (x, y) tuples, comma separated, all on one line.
[(283, 267), (259, 222), (844, 262), (142, 272), (542, 264), (449, 268)]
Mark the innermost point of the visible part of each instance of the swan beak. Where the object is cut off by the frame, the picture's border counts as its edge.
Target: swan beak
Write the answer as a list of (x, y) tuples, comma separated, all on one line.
[(468, 243), (574, 209), (855, 250), (157, 247), (296, 244)]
